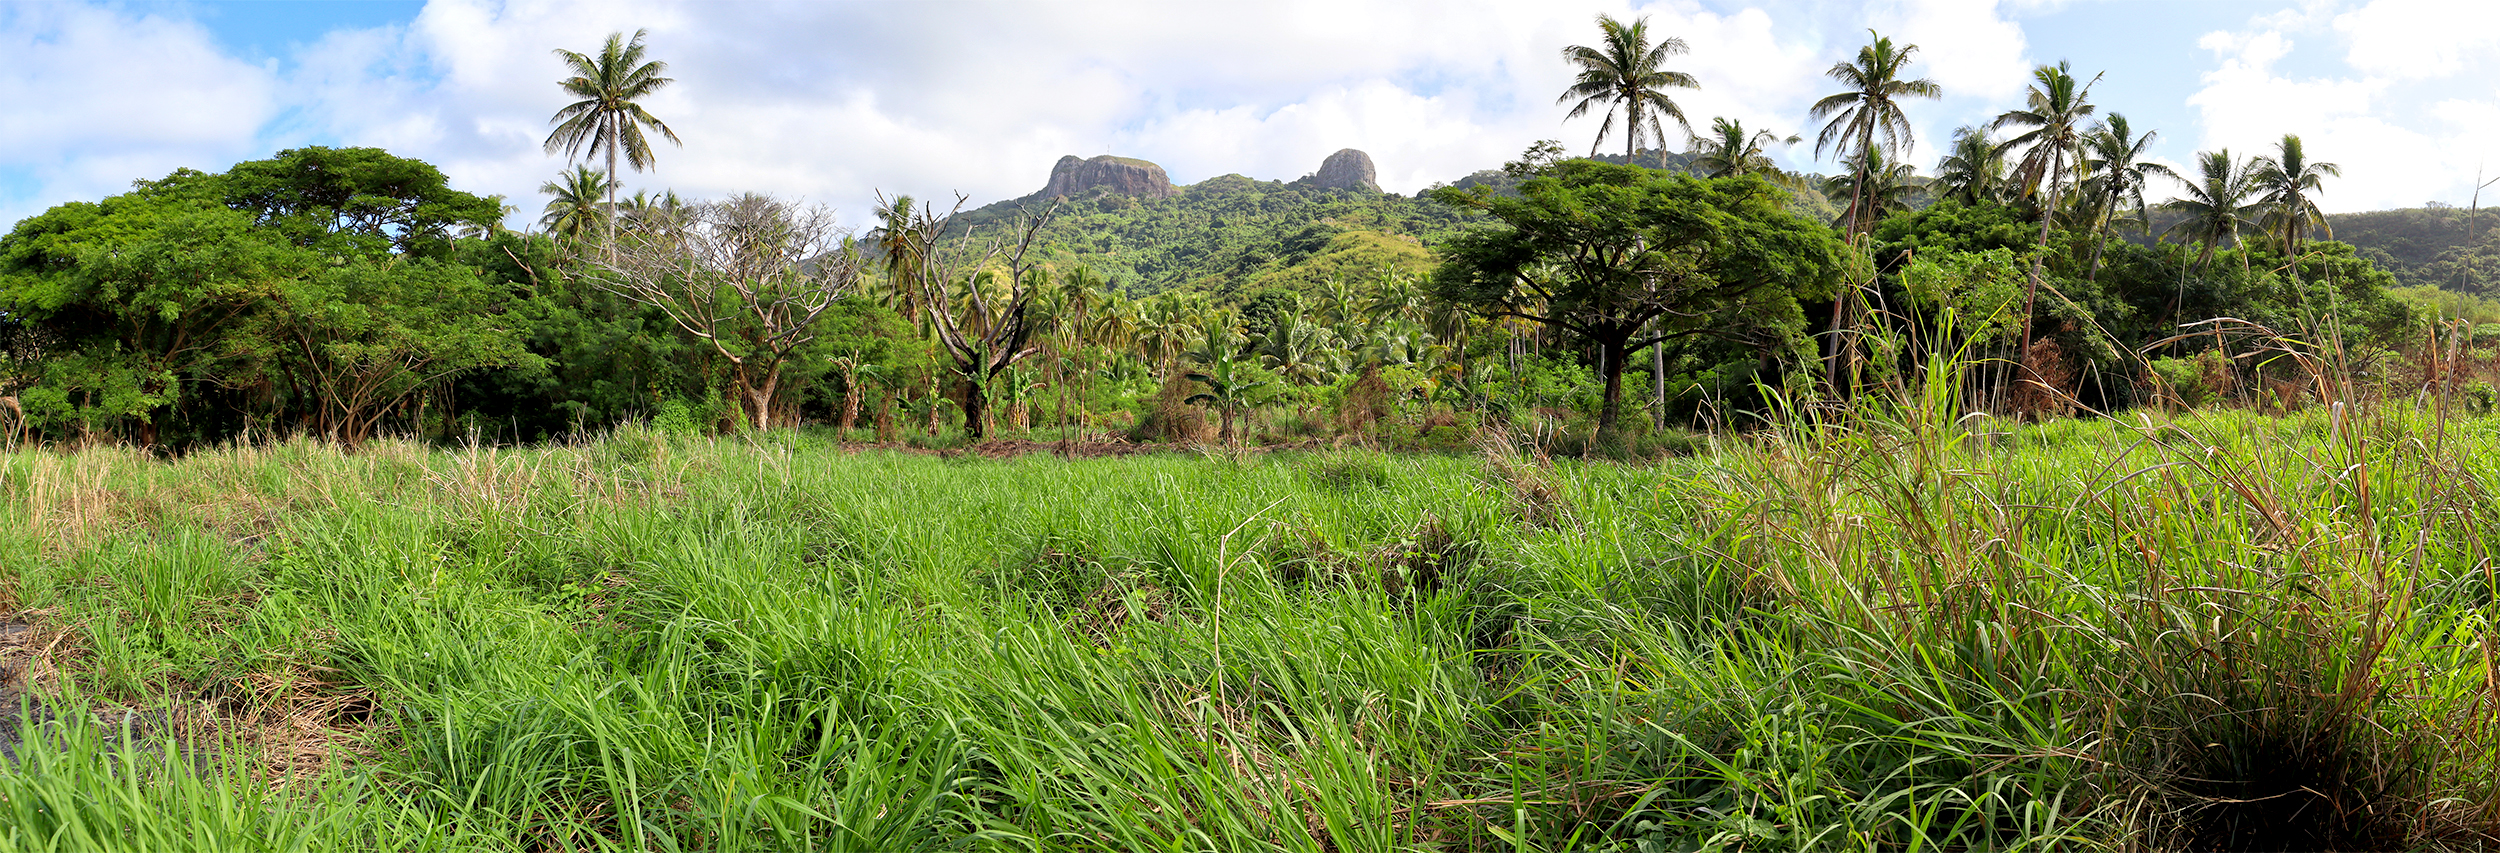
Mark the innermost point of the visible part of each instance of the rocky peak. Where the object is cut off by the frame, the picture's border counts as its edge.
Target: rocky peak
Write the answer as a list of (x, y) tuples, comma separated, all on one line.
[(1345, 170), (1123, 175)]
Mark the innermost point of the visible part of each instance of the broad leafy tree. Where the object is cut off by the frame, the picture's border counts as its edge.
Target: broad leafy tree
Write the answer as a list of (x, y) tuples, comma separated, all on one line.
[(1625, 74), (609, 118), (1628, 258), (315, 291)]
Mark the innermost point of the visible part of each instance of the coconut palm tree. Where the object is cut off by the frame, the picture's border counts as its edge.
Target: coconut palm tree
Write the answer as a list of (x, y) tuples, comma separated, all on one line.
[(573, 210), (1337, 299), (905, 254), (2054, 112), (1884, 186), (1080, 291), (1728, 150), (1301, 352), (643, 210), (1871, 107), (2114, 157), (1973, 169), (1625, 76), (2216, 203), (607, 119), (2288, 178), (1399, 296)]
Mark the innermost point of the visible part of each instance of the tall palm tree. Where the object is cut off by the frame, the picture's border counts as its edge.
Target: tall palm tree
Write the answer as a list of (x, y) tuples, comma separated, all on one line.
[(1080, 291), (1301, 351), (905, 254), (607, 119), (1399, 296), (1729, 150), (2288, 178), (1973, 169), (1624, 74), (573, 209), (2114, 157), (2216, 203), (1870, 107), (1884, 186), (2054, 112)]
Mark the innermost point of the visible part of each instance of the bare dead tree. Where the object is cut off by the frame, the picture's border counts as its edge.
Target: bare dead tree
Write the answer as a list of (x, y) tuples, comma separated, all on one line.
[(749, 276), (984, 330)]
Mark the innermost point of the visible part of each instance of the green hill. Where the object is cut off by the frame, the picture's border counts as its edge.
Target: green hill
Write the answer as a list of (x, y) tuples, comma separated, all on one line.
[(2426, 245), (1230, 234)]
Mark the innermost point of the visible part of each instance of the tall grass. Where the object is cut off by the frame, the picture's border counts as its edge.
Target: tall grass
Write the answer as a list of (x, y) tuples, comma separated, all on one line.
[(1892, 629)]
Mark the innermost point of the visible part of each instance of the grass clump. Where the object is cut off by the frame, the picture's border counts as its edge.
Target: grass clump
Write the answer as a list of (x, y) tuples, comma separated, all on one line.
[(1895, 629)]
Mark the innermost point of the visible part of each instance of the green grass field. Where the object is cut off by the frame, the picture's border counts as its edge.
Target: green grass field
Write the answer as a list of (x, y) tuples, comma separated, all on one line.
[(1893, 633)]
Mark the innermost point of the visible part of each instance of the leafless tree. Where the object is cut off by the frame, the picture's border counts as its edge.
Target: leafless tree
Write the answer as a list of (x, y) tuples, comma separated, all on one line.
[(749, 276), (979, 290)]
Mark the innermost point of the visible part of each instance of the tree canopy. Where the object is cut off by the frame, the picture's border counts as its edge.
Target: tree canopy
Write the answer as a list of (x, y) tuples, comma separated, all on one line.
[(1630, 257)]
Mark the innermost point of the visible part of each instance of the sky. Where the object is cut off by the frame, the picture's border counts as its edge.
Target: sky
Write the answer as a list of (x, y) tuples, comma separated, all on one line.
[(833, 102)]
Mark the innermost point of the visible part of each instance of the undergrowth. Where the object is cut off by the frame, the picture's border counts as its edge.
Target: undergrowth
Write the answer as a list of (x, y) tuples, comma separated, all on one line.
[(1887, 629)]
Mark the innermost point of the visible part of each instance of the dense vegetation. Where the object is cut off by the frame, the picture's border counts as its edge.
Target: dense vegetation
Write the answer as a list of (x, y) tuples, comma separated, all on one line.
[(1230, 235), (1999, 509), (1894, 631)]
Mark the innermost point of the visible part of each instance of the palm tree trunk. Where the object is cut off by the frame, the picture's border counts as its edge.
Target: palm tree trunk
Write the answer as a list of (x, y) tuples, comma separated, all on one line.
[(2100, 238), (613, 137), (2031, 294), (1631, 131)]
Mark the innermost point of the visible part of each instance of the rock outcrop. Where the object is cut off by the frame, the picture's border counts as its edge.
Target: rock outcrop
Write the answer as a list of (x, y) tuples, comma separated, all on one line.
[(1347, 169), (1123, 175)]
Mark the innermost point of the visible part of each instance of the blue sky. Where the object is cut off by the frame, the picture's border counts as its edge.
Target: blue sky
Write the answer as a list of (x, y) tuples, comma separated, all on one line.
[(834, 101)]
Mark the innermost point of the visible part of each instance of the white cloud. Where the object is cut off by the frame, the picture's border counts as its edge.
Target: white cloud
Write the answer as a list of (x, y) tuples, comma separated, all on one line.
[(834, 101), (1967, 46), (2413, 39), (2393, 123), (99, 97)]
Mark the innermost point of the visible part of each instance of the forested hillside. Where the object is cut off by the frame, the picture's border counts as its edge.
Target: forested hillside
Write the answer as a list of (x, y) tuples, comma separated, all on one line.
[(1231, 234), (2425, 246)]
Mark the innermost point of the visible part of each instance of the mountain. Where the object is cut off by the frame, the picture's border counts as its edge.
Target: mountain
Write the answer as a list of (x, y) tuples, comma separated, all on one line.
[(1225, 235)]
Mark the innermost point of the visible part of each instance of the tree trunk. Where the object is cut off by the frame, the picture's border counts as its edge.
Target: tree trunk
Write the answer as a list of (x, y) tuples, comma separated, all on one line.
[(2031, 294), (1611, 354), (1225, 434), (611, 217), (1658, 382), (976, 408), (759, 394), (850, 400)]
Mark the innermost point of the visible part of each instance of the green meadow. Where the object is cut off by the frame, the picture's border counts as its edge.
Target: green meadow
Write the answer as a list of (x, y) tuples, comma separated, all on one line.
[(1883, 630)]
